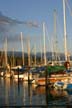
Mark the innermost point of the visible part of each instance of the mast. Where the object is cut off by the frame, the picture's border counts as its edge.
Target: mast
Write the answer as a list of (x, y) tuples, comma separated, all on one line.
[(29, 52), (6, 61), (44, 43), (13, 56), (41, 50), (22, 48), (65, 34), (35, 54), (55, 36), (52, 48)]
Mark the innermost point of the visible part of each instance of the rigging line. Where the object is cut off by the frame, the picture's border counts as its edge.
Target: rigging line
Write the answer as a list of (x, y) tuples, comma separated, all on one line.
[(69, 7)]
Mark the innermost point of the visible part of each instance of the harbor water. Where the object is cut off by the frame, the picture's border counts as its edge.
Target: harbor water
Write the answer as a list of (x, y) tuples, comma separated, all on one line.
[(14, 93)]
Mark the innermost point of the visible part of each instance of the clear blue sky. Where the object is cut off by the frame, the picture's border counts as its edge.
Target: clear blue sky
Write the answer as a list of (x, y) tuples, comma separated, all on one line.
[(36, 11)]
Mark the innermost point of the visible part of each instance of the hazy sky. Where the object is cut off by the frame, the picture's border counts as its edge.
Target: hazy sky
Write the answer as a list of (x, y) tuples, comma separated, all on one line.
[(27, 16)]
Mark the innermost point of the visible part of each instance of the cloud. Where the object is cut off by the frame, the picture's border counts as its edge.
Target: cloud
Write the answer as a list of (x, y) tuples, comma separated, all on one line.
[(8, 24), (5, 23), (10, 21), (7, 20), (32, 24)]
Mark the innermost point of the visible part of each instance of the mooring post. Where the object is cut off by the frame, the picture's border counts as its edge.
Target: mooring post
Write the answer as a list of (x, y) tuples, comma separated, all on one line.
[(46, 87), (46, 77), (10, 72), (28, 75), (18, 75), (18, 80)]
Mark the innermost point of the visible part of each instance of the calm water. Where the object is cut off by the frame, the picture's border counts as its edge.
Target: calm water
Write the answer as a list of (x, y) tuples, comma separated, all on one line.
[(13, 93)]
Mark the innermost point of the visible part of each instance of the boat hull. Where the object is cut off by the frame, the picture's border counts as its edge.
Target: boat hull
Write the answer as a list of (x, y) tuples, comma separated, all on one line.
[(41, 81)]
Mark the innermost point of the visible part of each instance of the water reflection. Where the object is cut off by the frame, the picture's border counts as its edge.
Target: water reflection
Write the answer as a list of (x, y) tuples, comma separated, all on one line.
[(14, 93)]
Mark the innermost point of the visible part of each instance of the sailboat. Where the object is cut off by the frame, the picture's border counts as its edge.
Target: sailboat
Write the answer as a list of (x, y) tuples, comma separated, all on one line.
[(21, 73), (2, 69), (42, 80), (67, 82), (28, 75), (8, 72), (19, 70), (60, 76)]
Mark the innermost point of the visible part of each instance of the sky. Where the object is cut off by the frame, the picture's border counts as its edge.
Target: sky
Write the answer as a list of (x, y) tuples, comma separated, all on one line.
[(27, 16)]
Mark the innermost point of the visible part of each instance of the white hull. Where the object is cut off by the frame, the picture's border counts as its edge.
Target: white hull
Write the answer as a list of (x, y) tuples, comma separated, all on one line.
[(26, 77), (8, 74), (23, 76), (65, 85), (20, 76), (2, 74)]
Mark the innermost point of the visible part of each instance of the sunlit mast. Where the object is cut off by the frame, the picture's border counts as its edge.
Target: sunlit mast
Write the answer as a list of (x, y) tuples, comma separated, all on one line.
[(41, 50), (22, 48), (52, 48), (65, 34), (55, 36), (29, 63), (35, 53), (6, 61), (45, 62), (13, 57)]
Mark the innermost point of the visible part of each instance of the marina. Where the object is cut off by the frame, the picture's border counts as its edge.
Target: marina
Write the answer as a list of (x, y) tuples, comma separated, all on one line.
[(35, 55), (22, 94)]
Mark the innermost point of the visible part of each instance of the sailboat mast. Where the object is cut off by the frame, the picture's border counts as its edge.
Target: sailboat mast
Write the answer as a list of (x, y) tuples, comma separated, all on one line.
[(6, 61), (22, 48), (13, 56), (35, 54), (55, 36), (65, 34), (41, 49), (44, 43), (52, 48), (29, 52)]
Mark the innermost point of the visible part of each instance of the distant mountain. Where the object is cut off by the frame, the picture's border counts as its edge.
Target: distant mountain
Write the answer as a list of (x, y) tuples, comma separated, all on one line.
[(16, 54), (48, 55)]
